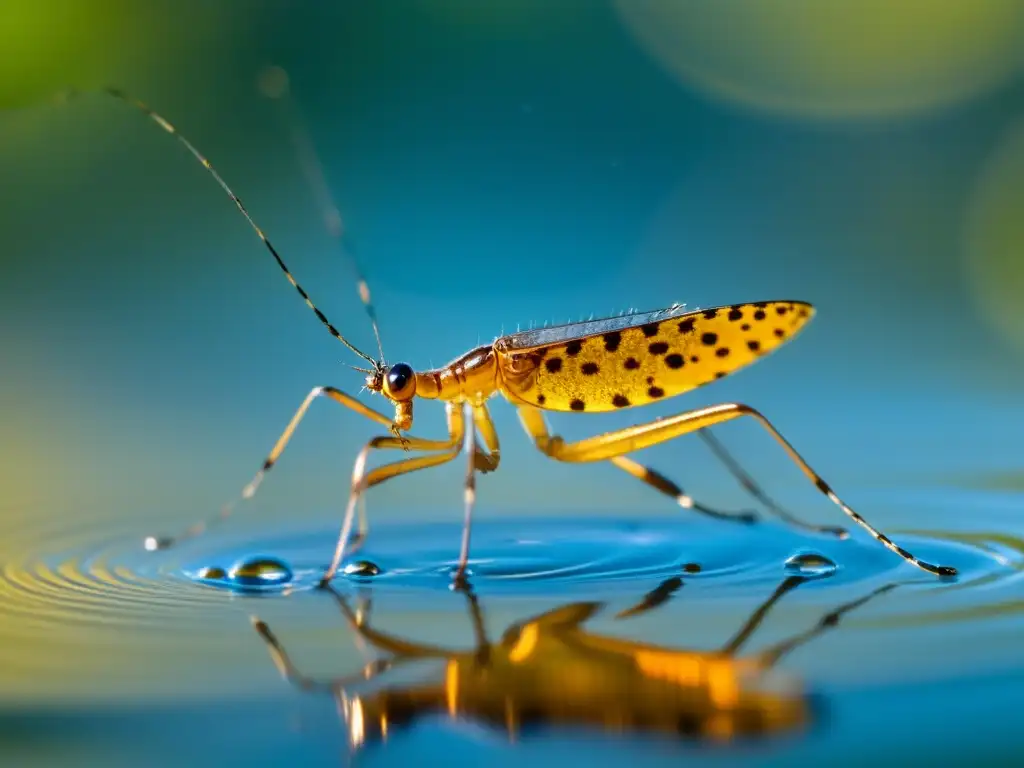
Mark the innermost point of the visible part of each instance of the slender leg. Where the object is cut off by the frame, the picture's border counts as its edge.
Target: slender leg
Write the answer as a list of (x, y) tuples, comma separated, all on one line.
[(154, 542), (449, 449), (771, 655), (751, 625), (381, 474), (384, 641), (661, 483), (289, 672), (476, 616), (478, 460), (486, 462), (657, 596), (469, 493), (745, 480), (361, 479), (641, 436)]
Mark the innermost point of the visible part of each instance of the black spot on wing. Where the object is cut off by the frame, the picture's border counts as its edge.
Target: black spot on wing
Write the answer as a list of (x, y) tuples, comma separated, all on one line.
[(675, 360)]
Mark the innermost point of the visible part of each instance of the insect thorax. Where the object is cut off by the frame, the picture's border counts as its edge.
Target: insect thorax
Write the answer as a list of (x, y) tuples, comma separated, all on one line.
[(473, 377)]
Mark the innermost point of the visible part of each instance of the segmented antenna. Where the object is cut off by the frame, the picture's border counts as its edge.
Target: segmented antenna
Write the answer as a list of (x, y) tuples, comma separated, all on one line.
[(273, 83), (163, 123)]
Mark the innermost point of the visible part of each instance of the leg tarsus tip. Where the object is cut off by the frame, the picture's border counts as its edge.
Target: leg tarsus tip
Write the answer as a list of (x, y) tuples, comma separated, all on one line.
[(460, 583), (947, 570)]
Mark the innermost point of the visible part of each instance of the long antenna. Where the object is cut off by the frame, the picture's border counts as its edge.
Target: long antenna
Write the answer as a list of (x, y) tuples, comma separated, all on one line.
[(163, 123), (273, 83)]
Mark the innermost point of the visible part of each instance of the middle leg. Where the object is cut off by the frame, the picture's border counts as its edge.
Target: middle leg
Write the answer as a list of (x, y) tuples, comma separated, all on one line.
[(469, 497), (654, 479)]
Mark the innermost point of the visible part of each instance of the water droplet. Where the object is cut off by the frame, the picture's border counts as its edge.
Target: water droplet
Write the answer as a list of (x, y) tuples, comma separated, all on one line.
[(260, 572), (810, 564), (691, 568), (361, 568), (156, 543), (211, 572)]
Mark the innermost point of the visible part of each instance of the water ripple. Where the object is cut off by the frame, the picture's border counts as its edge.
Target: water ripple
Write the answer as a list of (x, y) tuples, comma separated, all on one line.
[(80, 604)]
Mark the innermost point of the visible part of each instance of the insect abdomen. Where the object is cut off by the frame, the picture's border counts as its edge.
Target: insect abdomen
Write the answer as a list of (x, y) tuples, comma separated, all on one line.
[(644, 363)]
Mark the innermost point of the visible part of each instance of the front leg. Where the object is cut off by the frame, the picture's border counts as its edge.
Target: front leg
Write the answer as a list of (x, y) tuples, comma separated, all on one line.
[(362, 480), (163, 542)]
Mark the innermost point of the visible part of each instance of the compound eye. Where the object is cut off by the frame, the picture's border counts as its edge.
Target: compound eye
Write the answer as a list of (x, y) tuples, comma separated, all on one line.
[(401, 382)]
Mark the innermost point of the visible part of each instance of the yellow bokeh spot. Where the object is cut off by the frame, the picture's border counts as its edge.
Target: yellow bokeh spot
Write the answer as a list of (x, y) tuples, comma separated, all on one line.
[(994, 248), (835, 59)]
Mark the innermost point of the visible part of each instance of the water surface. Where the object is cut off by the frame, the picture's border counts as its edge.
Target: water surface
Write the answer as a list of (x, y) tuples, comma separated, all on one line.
[(119, 649)]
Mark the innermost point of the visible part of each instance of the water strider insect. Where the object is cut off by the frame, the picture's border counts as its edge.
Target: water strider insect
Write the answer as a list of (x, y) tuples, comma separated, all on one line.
[(552, 671), (586, 367)]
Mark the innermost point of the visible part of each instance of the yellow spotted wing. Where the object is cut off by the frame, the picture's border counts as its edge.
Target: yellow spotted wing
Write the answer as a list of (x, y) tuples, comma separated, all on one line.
[(635, 359)]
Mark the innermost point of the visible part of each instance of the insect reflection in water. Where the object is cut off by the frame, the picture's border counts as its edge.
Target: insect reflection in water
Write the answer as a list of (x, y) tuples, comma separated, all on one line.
[(551, 671)]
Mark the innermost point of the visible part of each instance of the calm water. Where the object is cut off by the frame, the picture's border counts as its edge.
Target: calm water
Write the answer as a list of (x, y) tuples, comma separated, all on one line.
[(598, 633)]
